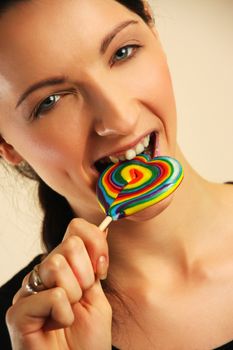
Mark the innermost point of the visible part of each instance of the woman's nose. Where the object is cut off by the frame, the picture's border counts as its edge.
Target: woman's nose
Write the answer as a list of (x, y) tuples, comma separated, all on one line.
[(115, 112)]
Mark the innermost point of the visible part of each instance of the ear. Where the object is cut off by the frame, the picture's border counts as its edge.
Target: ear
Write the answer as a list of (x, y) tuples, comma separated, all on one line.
[(8, 152)]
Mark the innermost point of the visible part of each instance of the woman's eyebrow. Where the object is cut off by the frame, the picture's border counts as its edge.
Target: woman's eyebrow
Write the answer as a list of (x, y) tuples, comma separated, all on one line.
[(110, 36), (41, 84), (61, 80)]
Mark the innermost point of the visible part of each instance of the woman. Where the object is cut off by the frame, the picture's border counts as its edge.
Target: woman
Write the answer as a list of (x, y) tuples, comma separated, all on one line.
[(83, 82)]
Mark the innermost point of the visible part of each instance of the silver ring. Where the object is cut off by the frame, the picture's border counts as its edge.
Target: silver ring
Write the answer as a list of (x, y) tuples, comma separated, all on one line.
[(35, 283)]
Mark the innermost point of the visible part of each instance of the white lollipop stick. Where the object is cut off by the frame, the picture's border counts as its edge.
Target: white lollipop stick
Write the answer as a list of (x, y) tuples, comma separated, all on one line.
[(104, 224)]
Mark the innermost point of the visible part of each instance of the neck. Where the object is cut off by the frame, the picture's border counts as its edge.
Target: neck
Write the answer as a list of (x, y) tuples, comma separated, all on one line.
[(176, 235)]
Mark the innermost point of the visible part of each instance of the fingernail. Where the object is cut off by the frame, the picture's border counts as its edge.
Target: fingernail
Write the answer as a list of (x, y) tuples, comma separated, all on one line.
[(101, 268)]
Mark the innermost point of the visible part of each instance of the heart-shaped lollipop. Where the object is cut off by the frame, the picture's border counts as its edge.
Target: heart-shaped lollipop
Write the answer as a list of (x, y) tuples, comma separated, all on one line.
[(128, 187)]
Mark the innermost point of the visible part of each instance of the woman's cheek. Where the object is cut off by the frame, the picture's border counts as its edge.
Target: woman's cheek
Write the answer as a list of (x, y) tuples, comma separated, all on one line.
[(153, 85)]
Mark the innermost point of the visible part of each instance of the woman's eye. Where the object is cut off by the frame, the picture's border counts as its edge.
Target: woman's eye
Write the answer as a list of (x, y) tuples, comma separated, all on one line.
[(46, 105), (125, 53)]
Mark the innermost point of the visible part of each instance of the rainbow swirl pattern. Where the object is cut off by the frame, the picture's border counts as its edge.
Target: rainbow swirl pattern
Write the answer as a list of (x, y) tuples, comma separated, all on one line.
[(127, 187)]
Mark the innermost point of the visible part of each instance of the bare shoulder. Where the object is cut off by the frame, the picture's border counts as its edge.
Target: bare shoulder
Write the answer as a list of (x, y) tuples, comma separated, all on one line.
[(223, 196), (226, 202), (220, 214), (222, 225)]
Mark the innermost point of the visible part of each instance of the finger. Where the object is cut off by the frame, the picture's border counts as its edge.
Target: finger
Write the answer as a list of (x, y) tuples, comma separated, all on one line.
[(49, 308), (76, 256), (96, 296), (95, 242), (23, 290), (96, 304), (56, 272)]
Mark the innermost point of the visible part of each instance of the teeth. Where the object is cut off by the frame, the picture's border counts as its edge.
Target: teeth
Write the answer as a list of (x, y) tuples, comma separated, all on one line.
[(139, 148), (114, 159), (146, 141), (131, 153)]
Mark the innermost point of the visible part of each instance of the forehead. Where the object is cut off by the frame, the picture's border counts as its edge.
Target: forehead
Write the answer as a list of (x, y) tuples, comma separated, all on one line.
[(38, 34), (33, 20)]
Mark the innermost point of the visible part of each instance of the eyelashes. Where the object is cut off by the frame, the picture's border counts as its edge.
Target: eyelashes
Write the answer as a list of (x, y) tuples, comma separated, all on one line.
[(48, 104), (125, 53), (122, 55)]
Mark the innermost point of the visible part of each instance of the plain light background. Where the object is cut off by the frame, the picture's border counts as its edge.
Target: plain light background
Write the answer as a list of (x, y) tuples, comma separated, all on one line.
[(197, 37)]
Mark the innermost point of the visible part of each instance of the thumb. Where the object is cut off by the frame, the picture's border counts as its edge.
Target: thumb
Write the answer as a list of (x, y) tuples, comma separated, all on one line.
[(95, 295)]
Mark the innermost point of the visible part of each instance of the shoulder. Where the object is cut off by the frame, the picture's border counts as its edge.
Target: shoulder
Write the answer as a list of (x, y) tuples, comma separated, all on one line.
[(222, 196), (224, 199), (221, 220), (7, 292)]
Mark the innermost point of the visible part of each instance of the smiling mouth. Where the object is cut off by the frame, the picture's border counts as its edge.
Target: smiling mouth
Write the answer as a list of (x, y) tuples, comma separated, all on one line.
[(146, 146)]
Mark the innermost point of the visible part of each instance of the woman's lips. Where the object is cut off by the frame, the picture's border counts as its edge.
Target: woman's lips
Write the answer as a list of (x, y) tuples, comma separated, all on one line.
[(147, 145)]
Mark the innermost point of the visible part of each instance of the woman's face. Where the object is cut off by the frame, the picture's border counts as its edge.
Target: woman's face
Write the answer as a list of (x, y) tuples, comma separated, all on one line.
[(81, 80)]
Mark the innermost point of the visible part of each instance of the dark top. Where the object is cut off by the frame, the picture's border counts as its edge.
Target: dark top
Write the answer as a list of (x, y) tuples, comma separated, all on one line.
[(7, 292)]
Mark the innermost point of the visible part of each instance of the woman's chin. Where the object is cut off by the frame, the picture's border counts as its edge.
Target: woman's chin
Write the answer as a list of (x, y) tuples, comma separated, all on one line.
[(151, 212)]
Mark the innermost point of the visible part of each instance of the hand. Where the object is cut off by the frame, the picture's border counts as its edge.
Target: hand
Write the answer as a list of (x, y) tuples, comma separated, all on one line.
[(73, 312)]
